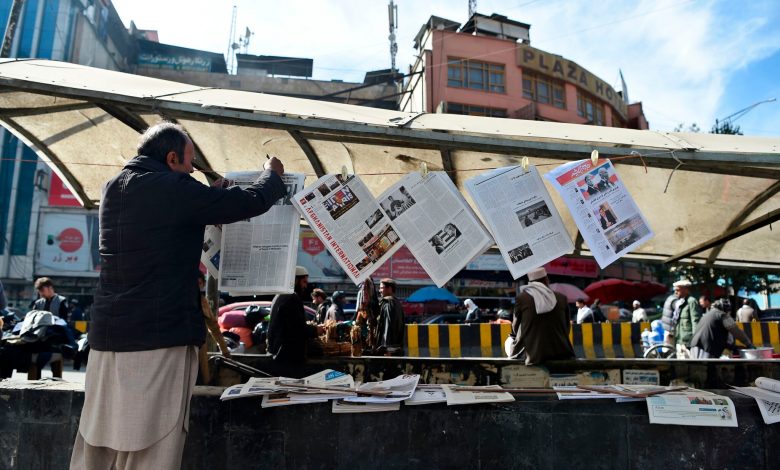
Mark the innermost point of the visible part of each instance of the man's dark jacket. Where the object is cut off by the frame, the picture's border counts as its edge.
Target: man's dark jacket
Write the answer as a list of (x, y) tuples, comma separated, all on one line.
[(152, 221), (288, 332)]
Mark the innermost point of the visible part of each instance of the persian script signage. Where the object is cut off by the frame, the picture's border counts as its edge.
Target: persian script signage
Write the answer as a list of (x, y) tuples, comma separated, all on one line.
[(556, 66)]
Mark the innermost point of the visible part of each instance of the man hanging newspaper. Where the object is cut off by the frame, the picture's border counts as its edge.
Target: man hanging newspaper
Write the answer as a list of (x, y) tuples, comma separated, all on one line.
[(436, 223), (521, 216), (602, 208), (258, 255), (348, 220)]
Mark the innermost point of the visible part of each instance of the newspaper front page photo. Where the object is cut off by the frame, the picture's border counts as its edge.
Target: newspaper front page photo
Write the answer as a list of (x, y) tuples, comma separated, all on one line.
[(258, 255), (521, 216), (602, 208), (436, 223), (346, 217)]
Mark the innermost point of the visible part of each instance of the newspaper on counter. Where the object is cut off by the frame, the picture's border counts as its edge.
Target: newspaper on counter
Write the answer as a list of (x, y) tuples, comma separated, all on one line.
[(212, 244), (293, 388), (258, 255), (768, 402), (436, 223), (602, 208), (692, 408), (348, 220), (426, 395), (341, 406), (491, 394), (401, 388), (521, 216), (768, 384)]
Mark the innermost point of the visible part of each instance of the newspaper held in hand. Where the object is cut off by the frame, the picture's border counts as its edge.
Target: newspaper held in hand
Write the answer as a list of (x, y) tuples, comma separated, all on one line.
[(491, 394), (605, 213), (212, 244), (436, 223), (348, 220), (258, 255), (520, 214), (692, 408)]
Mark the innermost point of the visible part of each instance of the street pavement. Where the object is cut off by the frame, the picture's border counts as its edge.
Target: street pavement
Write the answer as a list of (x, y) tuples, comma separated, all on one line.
[(68, 374)]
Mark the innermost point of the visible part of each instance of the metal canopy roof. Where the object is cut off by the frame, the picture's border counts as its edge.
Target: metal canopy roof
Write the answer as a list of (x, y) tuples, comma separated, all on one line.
[(84, 122)]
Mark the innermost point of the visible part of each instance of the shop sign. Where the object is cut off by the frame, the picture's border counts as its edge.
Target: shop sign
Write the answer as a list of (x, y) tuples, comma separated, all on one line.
[(65, 245), (581, 267), (60, 195), (552, 65)]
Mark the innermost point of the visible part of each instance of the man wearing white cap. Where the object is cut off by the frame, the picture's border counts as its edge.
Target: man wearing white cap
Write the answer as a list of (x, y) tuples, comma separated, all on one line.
[(540, 327), (686, 317), (289, 336), (639, 314)]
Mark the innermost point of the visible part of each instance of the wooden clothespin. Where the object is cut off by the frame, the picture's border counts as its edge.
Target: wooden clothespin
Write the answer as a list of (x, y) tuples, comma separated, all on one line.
[(524, 163), (424, 169), (594, 157)]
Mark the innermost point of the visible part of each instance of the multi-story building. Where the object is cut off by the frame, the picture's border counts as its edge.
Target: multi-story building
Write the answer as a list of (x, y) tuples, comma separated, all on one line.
[(487, 67), (43, 229)]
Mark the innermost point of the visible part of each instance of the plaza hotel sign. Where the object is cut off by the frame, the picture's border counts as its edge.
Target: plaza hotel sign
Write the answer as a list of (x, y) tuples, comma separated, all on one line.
[(556, 66)]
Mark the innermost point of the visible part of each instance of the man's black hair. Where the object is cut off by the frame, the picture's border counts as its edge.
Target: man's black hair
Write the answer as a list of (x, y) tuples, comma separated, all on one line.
[(162, 138)]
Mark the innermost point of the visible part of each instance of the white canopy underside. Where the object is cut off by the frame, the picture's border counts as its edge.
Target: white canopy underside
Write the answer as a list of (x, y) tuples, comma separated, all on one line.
[(85, 123)]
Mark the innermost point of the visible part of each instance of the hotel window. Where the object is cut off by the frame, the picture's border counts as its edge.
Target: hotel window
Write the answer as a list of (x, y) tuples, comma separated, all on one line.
[(464, 73), (456, 108), (590, 108), (544, 90)]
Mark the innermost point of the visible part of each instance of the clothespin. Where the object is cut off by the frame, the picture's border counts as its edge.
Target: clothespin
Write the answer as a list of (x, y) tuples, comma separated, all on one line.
[(524, 163), (594, 157), (343, 172), (424, 169)]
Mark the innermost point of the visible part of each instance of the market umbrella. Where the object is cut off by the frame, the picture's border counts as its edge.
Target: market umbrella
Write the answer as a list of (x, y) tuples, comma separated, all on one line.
[(610, 290), (571, 291), (431, 294)]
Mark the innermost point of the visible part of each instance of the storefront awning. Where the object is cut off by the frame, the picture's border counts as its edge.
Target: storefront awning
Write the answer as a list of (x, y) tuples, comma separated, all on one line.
[(85, 123)]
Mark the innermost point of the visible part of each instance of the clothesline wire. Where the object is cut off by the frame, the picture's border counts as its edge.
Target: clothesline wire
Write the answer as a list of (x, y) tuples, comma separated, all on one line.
[(641, 157)]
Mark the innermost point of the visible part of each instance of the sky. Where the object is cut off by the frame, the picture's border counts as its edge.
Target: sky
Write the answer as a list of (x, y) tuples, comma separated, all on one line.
[(687, 61)]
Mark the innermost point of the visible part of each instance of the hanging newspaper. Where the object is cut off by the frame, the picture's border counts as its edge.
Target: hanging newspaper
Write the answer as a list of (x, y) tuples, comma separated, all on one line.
[(521, 216), (348, 220), (258, 255), (436, 223), (606, 214), (212, 244)]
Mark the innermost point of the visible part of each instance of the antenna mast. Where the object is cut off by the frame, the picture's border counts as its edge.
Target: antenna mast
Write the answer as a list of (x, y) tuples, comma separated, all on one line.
[(231, 42), (392, 10), (472, 7)]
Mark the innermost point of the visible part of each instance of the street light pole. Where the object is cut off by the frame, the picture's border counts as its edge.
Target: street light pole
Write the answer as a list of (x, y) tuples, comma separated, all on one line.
[(734, 116)]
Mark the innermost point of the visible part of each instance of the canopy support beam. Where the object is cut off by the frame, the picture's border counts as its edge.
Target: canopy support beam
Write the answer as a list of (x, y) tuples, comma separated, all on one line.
[(744, 213), (736, 232), (308, 150), (39, 110), (49, 157), (446, 163)]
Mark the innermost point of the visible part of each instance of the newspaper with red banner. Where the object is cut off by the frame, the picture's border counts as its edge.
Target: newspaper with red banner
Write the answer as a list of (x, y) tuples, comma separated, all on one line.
[(606, 214), (348, 220)]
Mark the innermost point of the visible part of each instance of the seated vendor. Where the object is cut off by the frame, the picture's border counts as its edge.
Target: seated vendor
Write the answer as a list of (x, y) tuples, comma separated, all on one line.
[(290, 338)]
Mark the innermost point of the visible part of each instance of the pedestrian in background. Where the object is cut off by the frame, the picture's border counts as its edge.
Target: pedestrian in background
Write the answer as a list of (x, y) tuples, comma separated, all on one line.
[(639, 314), (584, 313)]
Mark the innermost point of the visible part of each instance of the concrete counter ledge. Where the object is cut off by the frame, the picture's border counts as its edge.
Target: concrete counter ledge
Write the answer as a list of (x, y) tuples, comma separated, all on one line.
[(38, 422)]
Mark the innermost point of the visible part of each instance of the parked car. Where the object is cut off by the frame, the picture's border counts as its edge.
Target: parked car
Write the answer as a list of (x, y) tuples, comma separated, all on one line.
[(265, 305), (445, 319), (769, 314)]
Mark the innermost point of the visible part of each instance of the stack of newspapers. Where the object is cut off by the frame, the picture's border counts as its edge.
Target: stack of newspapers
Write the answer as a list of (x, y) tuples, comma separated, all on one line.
[(767, 396)]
